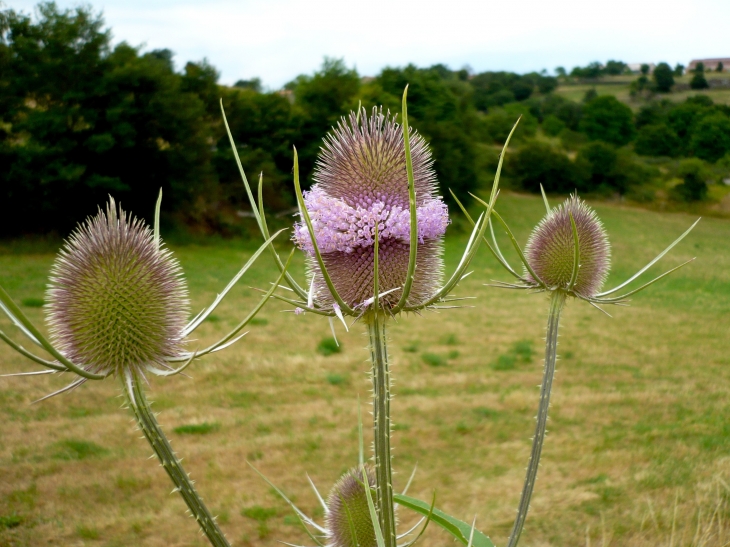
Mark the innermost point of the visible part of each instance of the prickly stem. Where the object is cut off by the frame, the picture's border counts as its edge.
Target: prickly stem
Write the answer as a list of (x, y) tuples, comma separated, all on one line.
[(169, 461), (375, 321), (557, 301)]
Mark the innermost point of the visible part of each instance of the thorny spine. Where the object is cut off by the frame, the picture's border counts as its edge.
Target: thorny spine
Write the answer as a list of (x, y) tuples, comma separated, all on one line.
[(157, 439), (557, 300)]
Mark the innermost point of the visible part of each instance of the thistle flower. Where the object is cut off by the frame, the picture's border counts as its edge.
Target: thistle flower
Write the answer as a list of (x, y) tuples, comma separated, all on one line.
[(117, 305), (550, 249), (347, 516), (371, 227), (116, 301), (361, 181), (567, 255)]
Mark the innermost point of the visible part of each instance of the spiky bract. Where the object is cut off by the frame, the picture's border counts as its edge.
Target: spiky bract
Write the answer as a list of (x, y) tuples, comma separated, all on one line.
[(115, 299), (550, 250), (347, 520), (361, 180)]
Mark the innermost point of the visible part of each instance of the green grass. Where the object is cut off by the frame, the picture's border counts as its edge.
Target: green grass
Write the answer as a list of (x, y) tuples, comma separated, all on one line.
[(197, 429), (328, 346), (638, 416)]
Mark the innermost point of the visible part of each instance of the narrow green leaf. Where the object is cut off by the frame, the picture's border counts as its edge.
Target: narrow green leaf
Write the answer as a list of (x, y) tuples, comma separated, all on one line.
[(544, 199), (371, 507), (457, 528), (308, 221), (413, 209), (518, 249), (17, 316), (258, 211), (650, 264), (303, 518), (158, 205)]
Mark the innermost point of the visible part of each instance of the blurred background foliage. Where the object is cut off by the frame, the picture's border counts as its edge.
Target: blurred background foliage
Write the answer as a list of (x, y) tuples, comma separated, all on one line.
[(80, 119)]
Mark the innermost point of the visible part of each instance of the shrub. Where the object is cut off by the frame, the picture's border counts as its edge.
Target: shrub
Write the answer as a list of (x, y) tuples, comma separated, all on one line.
[(657, 140), (552, 125), (694, 174), (711, 137), (663, 78), (607, 119), (538, 163), (699, 81), (599, 160)]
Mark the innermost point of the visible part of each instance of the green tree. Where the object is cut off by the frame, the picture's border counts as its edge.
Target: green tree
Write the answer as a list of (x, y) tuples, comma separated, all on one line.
[(663, 78), (720, 67), (699, 81), (678, 70), (710, 138), (694, 180), (614, 68), (657, 140), (86, 121), (320, 101), (537, 163), (607, 119), (552, 125), (439, 107), (603, 168)]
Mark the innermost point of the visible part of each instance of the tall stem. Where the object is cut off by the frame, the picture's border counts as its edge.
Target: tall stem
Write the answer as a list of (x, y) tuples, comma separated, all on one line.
[(551, 345), (152, 431), (381, 418)]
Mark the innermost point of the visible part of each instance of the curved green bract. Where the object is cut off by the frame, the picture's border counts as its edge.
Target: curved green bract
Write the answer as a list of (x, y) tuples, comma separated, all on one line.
[(457, 528)]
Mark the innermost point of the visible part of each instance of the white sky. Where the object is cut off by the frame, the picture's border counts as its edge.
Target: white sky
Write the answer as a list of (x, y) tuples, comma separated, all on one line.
[(276, 40)]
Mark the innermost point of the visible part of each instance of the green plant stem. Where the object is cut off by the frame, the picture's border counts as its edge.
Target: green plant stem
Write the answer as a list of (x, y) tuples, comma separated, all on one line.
[(557, 301), (152, 431), (381, 423)]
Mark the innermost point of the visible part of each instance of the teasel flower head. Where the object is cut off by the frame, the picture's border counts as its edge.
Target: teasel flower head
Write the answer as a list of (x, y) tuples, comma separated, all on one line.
[(568, 251), (115, 299), (373, 207), (550, 250), (361, 186), (347, 520), (117, 304)]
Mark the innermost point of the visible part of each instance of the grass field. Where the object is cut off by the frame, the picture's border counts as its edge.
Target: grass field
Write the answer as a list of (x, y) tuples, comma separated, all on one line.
[(638, 451)]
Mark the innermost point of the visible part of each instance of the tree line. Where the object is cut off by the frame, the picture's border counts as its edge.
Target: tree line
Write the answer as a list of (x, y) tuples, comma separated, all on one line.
[(80, 119)]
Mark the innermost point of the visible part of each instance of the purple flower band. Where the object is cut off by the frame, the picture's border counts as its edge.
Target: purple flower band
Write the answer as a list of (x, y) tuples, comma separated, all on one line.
[(340, 227)]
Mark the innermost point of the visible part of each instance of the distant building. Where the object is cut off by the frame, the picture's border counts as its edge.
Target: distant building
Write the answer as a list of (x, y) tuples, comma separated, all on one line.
[(636, 67), (710, 64)]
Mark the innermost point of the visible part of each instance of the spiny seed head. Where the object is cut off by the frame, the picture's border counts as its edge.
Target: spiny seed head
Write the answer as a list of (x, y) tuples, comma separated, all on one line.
[(115, 299), (348, 513), (361, 181), (550, 248)]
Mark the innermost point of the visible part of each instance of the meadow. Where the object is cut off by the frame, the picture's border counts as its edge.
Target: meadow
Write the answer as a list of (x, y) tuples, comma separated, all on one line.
[(620, 87), (637, 454)]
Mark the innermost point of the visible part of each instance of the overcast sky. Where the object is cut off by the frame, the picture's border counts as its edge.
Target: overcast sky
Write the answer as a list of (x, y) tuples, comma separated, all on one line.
[(276, 40)]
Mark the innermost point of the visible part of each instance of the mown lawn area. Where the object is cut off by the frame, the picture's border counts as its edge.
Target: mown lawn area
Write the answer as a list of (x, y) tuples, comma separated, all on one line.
[(638, 450)]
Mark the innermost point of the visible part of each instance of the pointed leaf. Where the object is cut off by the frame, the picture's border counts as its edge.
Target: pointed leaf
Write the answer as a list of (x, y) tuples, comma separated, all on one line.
[(457, 528)]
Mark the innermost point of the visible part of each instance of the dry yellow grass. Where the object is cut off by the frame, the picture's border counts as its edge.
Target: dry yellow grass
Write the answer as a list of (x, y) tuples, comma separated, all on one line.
[(638, 451)]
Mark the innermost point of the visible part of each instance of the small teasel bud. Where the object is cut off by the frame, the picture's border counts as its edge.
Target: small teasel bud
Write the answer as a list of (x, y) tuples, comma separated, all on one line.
[(550, 250), (115, 299), (360, 182), (348, 513)]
